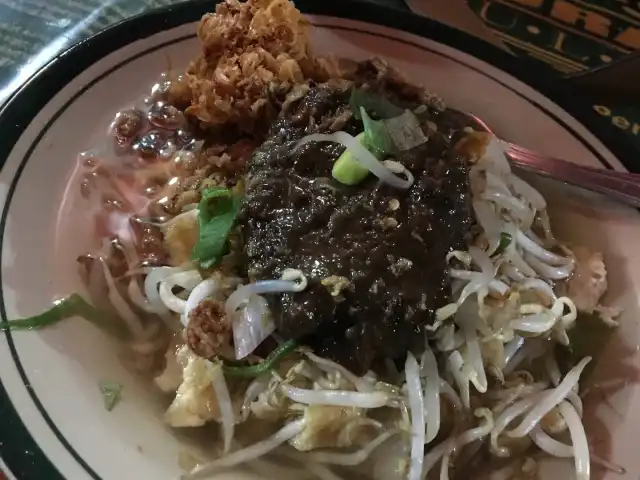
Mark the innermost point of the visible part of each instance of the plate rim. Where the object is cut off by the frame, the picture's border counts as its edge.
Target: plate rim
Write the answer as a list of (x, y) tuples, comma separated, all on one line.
[(18, 449)]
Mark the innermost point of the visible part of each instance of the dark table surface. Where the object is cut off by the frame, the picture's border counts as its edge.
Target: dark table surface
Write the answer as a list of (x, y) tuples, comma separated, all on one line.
[(570, 35)]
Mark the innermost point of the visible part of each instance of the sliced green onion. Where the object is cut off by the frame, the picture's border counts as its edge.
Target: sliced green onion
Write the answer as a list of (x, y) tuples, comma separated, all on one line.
[(505, 241), (267, 364), (73, 305), (217, 213), (364, 156), (347, 170), (111, 393), (378, 140)]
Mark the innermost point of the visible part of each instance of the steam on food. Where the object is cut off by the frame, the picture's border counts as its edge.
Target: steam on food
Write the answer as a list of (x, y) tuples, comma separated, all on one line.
[(324, 262)]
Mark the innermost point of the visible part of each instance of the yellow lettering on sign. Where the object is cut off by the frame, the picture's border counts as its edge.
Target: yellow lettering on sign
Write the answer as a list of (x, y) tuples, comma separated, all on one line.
[(621, 122), (602, 110), (558, 45), (529, 3), (485, 13), (629, 37), (579, 17)]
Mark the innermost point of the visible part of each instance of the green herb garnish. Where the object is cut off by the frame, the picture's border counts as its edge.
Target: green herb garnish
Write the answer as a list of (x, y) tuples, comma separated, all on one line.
[(373, 104), (73, 305), (267, 364), (505, 241), (111, 394), (377, 138), (216, 216), (394, 127), (346, 169), (396, 130), (392, 135)]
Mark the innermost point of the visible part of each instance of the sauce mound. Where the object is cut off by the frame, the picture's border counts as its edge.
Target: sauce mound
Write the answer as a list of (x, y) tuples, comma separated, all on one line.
[(374, 255)]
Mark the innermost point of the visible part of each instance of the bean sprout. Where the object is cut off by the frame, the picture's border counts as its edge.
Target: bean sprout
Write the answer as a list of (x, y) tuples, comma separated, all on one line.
[(429, 369), (252, 452), (549, 400), (203, 290), (416, 405), (579, 441), (186, 280), (224, 404), (355, 458), (339, 398)]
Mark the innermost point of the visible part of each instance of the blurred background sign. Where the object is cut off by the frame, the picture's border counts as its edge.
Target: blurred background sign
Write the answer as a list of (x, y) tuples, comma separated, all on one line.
[(570, 35)]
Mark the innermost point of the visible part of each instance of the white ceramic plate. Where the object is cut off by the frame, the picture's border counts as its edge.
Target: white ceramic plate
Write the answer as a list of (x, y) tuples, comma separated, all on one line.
[(52, 421)]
